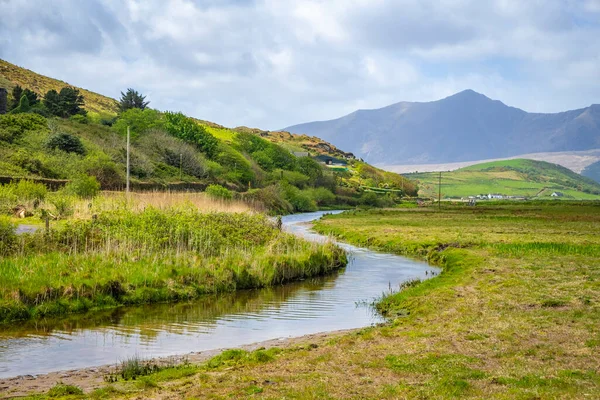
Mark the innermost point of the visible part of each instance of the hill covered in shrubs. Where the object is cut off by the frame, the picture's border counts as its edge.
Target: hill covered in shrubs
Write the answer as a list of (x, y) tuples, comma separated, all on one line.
[(172, 151)]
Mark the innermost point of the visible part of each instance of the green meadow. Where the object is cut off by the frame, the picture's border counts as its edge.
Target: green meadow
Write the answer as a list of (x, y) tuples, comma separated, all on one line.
[(514, 314), (519, 177)]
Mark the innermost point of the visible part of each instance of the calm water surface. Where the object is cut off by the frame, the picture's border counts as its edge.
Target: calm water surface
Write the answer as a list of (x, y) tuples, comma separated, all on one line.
[(311, 306)]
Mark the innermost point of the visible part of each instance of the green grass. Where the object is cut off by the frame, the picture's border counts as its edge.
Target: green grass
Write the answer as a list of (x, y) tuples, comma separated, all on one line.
[(515, 314), (519, 177), (151, 256)]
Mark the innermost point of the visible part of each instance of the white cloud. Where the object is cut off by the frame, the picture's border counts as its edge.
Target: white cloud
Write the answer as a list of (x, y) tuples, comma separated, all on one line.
[(269, 63)]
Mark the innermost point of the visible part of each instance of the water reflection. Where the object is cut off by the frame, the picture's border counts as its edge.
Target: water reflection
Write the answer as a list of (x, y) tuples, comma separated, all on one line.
[(216, 321)]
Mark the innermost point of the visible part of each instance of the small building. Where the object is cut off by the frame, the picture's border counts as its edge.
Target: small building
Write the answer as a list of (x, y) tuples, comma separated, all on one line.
[(3, 101), (557, 194), (328, 160)]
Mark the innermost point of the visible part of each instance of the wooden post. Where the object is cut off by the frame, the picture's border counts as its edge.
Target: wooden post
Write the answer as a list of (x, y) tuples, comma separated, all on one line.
[(128, 169), (47, 218), (180, 164)]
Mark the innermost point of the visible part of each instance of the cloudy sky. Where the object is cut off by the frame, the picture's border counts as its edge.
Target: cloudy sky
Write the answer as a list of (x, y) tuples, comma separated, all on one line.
[(274, 63)]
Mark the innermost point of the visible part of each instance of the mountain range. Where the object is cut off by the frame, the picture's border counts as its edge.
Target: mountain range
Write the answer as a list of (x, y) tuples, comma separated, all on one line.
[(462, 127)]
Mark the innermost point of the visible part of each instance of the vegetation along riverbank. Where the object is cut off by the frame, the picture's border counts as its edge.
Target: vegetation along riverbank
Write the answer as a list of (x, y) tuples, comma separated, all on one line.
[(514, 315), (128, 257)]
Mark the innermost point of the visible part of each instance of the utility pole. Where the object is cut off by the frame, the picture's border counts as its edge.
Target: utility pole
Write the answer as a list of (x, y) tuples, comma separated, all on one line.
[(440, 192), (127, 184)]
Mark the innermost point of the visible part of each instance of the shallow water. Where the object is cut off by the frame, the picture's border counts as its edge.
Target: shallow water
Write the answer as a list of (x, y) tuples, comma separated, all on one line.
[(338, 301)]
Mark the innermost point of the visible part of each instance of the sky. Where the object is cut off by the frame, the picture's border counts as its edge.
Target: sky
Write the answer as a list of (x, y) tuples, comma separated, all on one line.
[(274, 63)]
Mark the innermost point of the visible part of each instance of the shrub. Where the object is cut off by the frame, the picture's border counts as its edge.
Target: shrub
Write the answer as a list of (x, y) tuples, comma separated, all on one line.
[(271, 198), (84, 186), (63, 205), (219, 192), (294, 178), (66, 142), (369, 199), (310, 168), (82, 119), (105, 170), (8, 236), (187, 129), (300, 200), (322, 196), (26, 190), (139, 121), (12, 127)]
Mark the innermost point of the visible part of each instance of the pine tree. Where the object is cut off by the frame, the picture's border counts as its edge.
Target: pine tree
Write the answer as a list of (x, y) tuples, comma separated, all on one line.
[(70, 102), (17, 92), (31, 96), (52, 102), (132, 99)]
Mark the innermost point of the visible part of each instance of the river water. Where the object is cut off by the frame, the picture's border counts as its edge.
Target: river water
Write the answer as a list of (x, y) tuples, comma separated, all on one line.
[(334, 302)]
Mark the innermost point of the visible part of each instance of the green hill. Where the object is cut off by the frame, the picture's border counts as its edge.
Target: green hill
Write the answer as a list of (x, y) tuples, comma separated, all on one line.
[(12, 75), (592, 171), (172, 151), (519, 177)]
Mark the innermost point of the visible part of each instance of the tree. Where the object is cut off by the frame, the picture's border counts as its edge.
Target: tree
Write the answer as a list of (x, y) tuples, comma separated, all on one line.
[(52, 102), (71, 101), (132, 99), (67, 143), (187, 129), (31, 96), (66, 103), (17, 92), (23, 106), (140, 121)]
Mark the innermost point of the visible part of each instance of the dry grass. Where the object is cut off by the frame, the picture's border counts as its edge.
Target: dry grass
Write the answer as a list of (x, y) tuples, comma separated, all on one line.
[(111, 201)]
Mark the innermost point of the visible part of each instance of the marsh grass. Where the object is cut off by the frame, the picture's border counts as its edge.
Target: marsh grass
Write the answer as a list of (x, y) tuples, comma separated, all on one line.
[(127, 257)]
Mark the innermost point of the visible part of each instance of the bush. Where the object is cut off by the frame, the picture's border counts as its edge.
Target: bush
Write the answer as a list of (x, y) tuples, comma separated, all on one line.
[(82, 119), (369, 199), (8, 236), (13, 127), (322, 196), (26, 190), (300, 200), (219, 192), (66, 142), (84, 186), (294, 178), (139, 121), (187, 129), (105, 170), (270, 198), (63, 205)]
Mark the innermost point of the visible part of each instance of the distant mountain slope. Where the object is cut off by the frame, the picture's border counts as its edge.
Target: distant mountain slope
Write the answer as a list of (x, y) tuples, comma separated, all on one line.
[(463, 127), (518, 177), (11, 75), (592, 171)]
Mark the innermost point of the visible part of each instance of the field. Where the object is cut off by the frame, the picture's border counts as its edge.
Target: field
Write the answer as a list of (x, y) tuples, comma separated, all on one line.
[(519, 177), (515, 314)]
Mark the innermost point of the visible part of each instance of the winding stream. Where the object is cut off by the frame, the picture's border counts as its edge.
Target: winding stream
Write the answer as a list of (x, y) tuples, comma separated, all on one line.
[(315, 305)]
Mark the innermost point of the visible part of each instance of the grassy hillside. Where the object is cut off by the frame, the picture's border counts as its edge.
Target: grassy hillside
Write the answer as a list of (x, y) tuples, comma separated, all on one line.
[(519, 177), (170, 150), (592, 171), (12, 75)]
